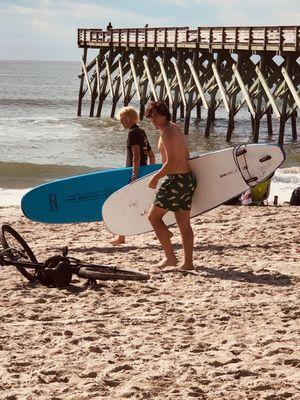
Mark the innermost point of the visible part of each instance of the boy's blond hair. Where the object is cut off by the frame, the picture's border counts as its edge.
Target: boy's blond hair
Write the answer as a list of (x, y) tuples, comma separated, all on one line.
[(130, 113)]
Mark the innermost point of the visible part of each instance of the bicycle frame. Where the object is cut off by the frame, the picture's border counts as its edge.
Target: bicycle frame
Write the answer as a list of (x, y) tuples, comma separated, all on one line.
[(58, 265)]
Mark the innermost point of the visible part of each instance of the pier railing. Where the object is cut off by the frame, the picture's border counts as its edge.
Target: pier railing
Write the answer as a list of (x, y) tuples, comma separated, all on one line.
[(273, 38)]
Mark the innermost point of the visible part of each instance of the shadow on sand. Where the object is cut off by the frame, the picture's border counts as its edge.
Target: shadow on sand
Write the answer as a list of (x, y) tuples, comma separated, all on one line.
[(249, 277)]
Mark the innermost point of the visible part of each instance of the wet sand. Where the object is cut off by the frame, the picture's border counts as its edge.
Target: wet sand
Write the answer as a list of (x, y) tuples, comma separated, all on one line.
[(228, 330)]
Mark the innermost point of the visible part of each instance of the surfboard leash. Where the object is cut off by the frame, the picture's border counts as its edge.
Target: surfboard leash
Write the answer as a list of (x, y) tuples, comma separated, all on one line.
[(241, 151)]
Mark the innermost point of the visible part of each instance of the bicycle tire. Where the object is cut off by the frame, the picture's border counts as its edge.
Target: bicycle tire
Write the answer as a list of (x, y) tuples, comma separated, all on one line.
[(9, 234), (113, 275)]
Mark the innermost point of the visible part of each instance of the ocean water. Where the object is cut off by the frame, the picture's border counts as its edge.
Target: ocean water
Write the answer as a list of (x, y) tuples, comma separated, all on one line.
[(42, 139)]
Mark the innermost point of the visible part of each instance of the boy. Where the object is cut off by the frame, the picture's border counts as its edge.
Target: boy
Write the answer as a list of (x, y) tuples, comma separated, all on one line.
[(176, 192), (138, 148)]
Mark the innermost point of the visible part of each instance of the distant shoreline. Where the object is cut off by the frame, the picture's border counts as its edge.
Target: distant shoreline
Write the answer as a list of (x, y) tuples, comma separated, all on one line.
[(29, 61)]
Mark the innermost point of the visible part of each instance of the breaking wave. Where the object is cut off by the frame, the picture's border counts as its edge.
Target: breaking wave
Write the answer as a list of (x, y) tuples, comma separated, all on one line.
[(24, 175)]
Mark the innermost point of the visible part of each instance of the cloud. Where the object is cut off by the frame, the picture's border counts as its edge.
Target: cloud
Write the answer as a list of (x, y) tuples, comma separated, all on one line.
[(53, 24), (231, 12), (22, 10), (180, 3), (91, 13), (41, 25)]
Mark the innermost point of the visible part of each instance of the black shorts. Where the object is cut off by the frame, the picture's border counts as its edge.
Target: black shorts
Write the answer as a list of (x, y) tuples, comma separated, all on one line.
[(176, 192)]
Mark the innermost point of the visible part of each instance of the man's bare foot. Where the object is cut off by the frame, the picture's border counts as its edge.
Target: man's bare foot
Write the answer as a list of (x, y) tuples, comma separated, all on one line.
[(187, 267), (168, 262), (118, 240)]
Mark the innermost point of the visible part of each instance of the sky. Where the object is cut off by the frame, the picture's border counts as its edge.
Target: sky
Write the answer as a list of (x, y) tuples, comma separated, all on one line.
[(47, 29)]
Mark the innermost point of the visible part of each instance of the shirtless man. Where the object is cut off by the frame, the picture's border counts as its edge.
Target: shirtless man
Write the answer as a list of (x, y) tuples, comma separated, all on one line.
[(138, 148), (176, 192)]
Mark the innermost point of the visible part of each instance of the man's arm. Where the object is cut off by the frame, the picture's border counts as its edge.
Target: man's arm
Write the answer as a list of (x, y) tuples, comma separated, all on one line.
[(162, 151), (151, 157), (136, 158)]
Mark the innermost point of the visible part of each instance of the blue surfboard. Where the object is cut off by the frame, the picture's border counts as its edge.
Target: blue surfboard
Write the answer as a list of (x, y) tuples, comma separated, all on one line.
[(77, 198)]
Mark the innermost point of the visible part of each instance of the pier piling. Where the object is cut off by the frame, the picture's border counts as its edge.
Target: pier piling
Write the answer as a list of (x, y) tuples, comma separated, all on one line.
[(209, 67)]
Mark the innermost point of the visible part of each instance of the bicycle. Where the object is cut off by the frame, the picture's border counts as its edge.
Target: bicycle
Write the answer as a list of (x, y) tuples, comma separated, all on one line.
[(57, 270)]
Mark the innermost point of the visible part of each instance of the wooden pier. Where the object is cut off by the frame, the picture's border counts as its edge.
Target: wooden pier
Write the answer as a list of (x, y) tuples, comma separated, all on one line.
[(196, 68)]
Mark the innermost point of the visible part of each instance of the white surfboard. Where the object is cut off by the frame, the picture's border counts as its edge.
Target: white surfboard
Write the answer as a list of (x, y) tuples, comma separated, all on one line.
[(221, 175)]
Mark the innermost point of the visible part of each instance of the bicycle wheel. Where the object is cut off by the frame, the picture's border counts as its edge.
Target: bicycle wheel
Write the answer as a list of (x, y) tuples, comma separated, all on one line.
[(20, 250), (105, 273)]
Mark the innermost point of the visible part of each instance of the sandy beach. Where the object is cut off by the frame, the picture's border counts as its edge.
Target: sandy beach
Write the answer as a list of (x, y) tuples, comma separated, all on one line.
[(228, 330)]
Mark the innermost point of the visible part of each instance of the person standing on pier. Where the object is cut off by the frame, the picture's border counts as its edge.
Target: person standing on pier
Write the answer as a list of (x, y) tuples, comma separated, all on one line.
[(138, 148), (176, 191)]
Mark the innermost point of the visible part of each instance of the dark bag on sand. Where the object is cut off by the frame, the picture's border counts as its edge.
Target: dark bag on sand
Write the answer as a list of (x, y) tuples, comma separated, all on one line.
[(295, 198), (57, 272)]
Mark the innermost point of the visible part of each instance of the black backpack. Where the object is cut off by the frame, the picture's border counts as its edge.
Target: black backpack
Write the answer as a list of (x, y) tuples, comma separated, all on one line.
[(295, 198)]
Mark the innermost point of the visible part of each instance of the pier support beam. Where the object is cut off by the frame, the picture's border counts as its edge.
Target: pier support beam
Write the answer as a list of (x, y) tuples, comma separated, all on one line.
[(189, 79), (80, 96)]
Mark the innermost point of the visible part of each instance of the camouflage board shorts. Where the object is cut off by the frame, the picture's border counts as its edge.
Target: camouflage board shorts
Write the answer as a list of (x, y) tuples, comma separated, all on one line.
[(176, 192)]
